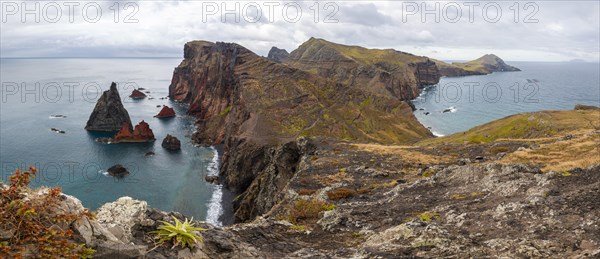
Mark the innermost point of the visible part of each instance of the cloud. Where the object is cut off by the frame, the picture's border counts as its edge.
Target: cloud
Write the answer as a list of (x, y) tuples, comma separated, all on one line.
[(563, 30)]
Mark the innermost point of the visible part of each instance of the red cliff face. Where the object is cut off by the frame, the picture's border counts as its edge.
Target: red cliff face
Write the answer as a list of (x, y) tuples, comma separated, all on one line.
[(166, 112), (137, 94), (141, 133)]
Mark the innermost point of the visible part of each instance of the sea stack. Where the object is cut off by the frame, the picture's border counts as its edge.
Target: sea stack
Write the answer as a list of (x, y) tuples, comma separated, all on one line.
[(109, 113), (171, 143), (141, 133), (166, 112), (137, 94)]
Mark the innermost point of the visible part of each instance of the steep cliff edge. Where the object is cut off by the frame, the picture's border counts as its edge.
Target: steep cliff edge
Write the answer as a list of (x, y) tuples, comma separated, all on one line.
[(254, 105)]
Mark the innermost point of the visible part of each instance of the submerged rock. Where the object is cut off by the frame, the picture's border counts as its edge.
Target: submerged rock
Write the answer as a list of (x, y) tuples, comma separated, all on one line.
[(117, 170), (171, 143), (166, 112), (109, 113)]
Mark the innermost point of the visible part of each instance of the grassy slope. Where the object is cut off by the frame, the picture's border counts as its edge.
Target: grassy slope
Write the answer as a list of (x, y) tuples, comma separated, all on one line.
[(547, 130)]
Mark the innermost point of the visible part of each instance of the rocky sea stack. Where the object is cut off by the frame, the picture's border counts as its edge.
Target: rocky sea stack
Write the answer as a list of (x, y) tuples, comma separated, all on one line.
[(109, 113), (141, 133), (171, 143), (166, 112), (137, 94)]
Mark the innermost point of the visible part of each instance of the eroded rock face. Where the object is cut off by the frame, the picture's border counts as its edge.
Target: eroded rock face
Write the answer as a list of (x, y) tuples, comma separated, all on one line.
[(109, 113), (171, 143)]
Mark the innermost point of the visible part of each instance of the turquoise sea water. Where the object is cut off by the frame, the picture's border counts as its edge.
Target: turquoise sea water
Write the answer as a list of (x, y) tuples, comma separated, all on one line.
[(75, 162), (475, 100)]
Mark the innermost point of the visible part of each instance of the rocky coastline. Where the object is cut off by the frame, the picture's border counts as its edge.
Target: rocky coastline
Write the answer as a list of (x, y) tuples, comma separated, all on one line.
[(327, 160)]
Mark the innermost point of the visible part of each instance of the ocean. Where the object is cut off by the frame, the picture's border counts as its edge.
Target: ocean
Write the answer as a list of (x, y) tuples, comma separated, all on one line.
[(35, 90), (474, 100)]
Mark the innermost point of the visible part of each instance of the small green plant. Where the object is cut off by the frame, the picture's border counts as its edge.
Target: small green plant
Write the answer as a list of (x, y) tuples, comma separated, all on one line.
[(566, 173), (179, 234), (226, 111), (428, 216), (328, 207)]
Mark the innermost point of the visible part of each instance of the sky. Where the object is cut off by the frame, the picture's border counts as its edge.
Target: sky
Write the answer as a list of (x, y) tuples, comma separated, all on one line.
[(446, 30)]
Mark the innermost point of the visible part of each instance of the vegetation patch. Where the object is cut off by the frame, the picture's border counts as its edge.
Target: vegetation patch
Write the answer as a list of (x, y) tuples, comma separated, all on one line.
[(226, 111), (340, 193), (306, 210), (181, 233), (38, 229), (428, 216)]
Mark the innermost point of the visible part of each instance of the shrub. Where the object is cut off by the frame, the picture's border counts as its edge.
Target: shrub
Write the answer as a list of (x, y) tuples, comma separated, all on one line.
[(40, 230), (306, 210), (340, 193), (180, 234), (428, 216)]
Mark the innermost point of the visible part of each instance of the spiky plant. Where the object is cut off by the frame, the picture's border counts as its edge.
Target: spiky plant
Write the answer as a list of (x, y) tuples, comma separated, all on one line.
[(179, 234)]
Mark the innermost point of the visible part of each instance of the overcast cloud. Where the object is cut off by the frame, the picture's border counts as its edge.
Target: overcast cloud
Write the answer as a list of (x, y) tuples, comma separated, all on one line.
[(558, 30)]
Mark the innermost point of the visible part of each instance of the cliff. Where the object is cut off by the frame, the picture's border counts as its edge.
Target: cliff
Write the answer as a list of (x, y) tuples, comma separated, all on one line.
[(109, 113), (252, 104)]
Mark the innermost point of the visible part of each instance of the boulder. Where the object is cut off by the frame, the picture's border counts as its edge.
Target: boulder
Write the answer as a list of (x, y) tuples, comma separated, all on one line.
[(171, 143), (166, 112), (117, 170), (212, 179), (137, 94), (109, 113)]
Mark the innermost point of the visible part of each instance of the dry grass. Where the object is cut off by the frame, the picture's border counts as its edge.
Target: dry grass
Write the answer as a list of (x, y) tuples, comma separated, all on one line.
[(582, 151), (340, 176), (340, 193), (404, 152)]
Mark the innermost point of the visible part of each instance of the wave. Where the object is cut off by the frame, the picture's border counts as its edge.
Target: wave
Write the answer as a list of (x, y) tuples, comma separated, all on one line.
[(215, 207), (450, 109), (437, 134)]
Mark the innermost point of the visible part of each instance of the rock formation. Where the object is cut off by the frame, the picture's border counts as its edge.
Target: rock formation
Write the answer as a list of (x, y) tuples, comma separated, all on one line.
[(484, 65), (137, 94), (381, 71), (278, 55), (582, 107), (117, 170), (166, 112), (141, 133), (171, 143), (109, 113)]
